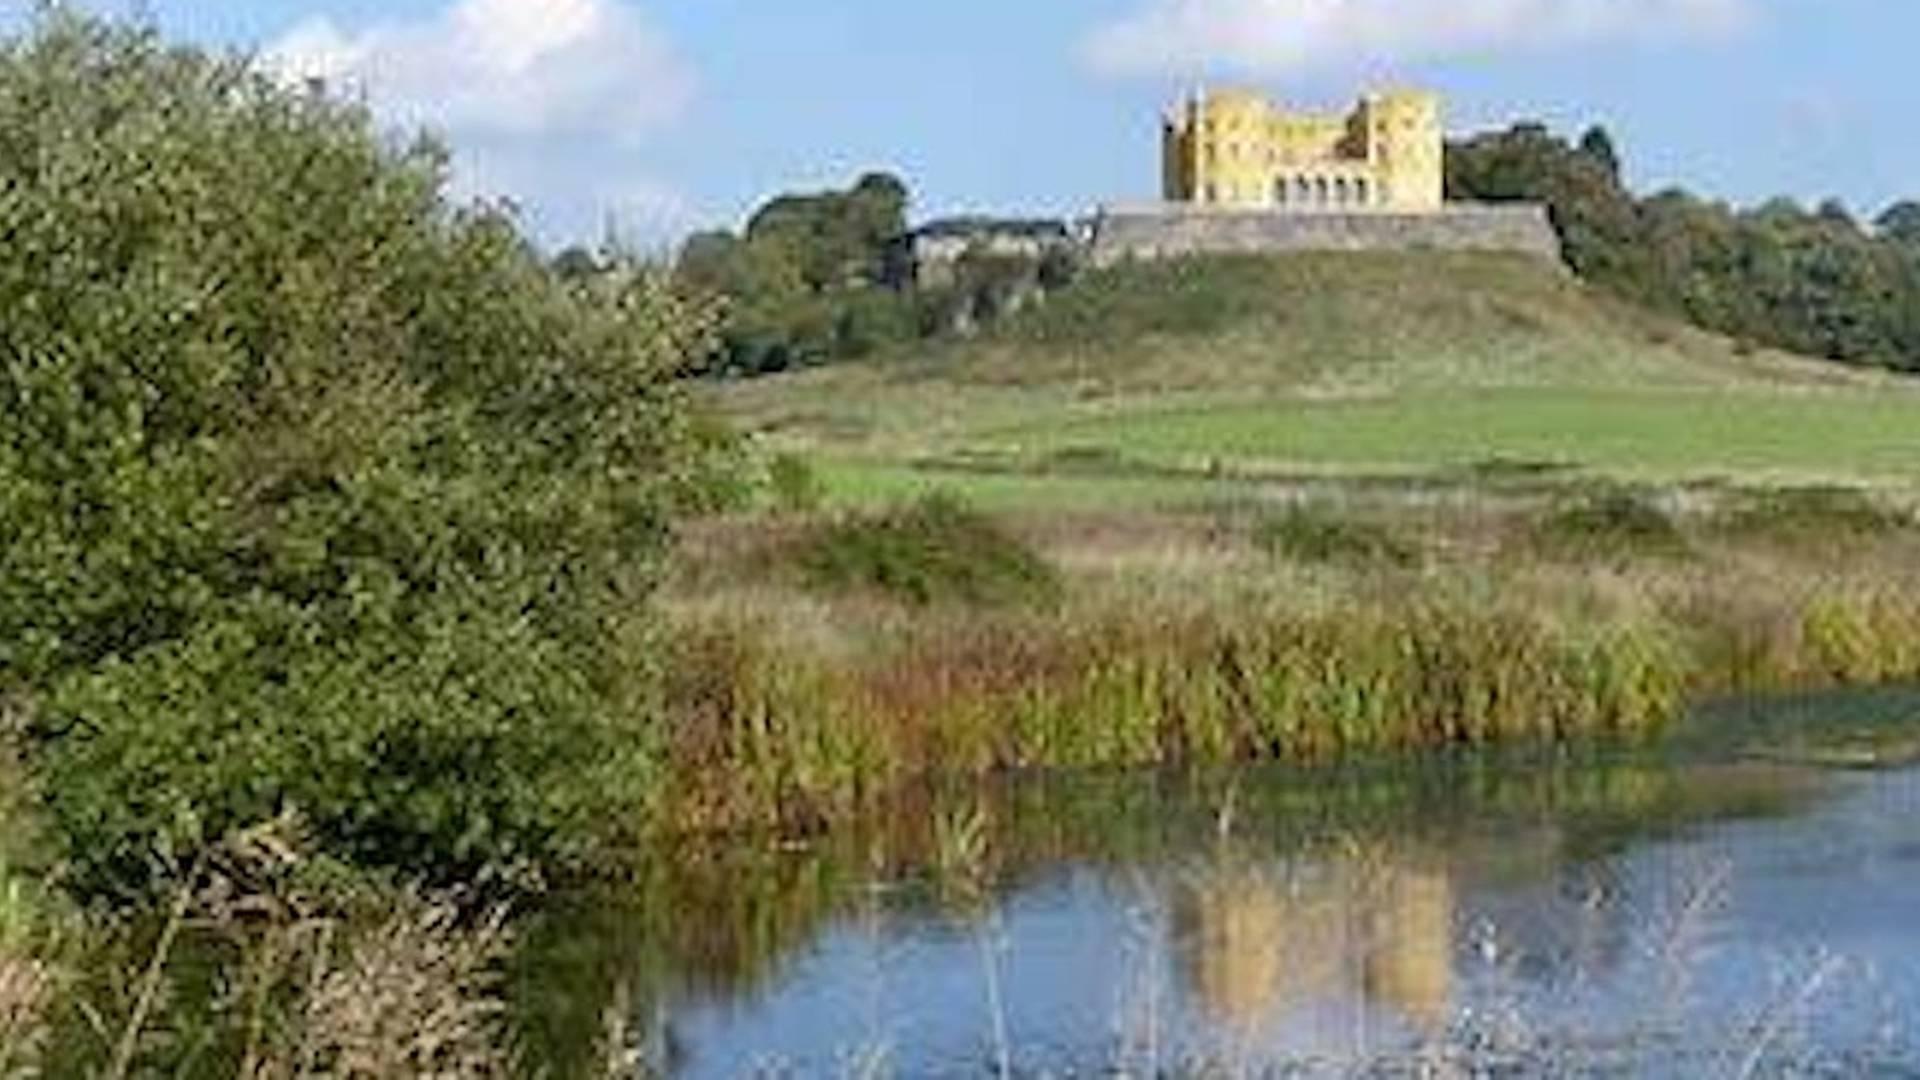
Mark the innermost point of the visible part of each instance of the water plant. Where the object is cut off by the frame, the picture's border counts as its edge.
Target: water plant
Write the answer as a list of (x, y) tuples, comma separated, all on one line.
[(776, 730)]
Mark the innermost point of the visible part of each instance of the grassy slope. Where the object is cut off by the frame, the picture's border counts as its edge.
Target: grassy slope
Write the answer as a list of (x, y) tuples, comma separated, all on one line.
[(1158, 384)]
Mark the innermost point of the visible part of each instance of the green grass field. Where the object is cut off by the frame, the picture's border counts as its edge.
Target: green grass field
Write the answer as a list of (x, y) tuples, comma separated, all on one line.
[(1182, 382), (1662, 433)]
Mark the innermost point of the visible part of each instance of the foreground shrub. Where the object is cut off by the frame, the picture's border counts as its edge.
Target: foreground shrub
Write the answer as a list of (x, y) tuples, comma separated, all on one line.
[(933, 550), (267, 963), (320, 492)]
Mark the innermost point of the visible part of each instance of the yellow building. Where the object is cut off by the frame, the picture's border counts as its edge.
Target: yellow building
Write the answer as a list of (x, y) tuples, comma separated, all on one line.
[(1237, 149)]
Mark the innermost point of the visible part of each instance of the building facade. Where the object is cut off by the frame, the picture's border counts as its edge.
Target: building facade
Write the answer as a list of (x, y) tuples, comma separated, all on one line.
[(1237, 149)]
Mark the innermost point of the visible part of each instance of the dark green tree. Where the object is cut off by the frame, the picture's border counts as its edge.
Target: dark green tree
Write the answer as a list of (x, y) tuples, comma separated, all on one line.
[(1597, 144), (803, 285), (1597, 218), (1814, 282), (577, 263), (1900, 223)]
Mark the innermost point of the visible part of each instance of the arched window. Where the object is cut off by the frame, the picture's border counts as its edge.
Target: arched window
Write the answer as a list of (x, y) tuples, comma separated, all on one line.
[(1361, 194), (1302, 190), (1320, 191), (1280, 191), (1340, 191)]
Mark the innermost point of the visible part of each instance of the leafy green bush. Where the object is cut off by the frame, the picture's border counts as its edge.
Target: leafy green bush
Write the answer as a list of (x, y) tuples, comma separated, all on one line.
[(320, 492), (1608, 524), (933, 550), (1312, 534)]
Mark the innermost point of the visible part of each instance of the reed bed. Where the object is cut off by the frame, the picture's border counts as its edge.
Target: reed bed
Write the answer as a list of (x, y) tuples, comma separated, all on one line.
[(793, 708)]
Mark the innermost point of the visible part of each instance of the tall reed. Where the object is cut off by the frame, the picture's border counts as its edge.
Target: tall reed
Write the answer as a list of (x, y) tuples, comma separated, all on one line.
[(28, 972), (770, 731), (1242, 637)]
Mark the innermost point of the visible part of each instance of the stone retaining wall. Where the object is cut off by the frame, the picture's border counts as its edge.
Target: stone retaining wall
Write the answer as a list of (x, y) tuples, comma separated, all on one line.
[(1173, 230)]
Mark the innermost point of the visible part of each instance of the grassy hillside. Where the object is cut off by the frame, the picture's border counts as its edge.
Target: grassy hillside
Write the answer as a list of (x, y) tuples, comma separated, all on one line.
[(1162, 383)]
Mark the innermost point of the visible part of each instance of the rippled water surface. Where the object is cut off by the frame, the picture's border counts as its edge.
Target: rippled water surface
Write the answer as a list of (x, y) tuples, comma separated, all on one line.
[(1707, 913)]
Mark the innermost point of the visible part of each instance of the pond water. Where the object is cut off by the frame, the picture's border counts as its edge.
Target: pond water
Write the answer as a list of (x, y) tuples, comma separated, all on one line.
[(1702, 910)]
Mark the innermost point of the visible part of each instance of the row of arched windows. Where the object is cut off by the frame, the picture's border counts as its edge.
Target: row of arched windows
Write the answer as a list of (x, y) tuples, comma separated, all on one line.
[(1320, 191)]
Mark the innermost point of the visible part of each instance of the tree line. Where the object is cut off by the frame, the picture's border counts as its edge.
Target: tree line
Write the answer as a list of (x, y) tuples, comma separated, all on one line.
[(829, 276), (1811, 280)]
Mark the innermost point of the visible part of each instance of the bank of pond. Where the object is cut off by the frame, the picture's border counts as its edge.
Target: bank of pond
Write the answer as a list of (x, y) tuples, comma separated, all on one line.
[(1730, 900)]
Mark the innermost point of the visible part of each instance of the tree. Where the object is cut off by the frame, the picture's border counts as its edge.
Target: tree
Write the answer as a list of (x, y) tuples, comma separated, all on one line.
[(838, 238), (321, 492), (1808, 281), (1900, 223), (576, 263), (1596, 217), (1598, 145), (805, 283), (1834, 212)]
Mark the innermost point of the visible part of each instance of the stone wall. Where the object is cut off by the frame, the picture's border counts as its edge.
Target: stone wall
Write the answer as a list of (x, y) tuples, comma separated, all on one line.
[(1171, 230)]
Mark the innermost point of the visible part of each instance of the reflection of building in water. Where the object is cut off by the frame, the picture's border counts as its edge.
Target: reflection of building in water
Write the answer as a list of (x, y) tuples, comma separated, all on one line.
[(1410, 956), (1366, 927)]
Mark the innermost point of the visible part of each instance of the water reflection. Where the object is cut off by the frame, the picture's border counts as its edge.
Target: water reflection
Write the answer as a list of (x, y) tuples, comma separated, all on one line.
[(1367, 925), (1477, 914)]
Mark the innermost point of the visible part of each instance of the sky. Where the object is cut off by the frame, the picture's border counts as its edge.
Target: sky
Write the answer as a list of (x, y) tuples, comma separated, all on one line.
[(651, 118)]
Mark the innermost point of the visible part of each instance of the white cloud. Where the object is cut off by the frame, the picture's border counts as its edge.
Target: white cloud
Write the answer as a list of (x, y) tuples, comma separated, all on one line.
[(502, 67), (549, 102), (1280, 37)]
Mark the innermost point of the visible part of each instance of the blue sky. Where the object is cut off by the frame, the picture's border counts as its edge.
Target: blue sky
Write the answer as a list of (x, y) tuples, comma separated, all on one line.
[(664, 115)]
